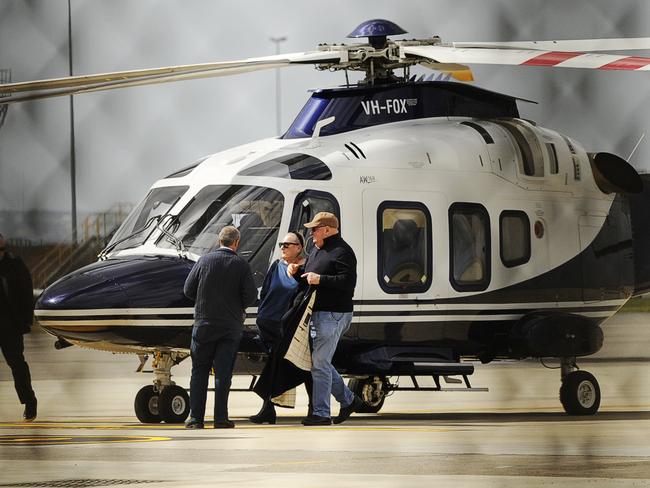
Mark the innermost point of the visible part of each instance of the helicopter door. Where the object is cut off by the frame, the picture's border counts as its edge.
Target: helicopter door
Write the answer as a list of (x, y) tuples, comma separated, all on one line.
[(397, 260), (308, 204)]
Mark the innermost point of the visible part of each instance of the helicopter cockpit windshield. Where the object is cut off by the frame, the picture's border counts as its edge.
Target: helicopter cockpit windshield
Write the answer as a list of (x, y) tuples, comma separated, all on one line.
[(137, 227), (255, 211)]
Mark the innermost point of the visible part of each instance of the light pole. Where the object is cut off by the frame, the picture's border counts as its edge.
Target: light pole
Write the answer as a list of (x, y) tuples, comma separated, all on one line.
[(278, 120), (73, 162)]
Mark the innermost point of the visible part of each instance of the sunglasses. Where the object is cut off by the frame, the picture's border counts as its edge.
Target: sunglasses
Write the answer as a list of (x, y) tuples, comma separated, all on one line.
[(285, 245)]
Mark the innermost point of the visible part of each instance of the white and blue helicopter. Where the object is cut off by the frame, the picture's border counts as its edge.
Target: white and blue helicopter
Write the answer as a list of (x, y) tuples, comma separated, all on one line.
[(480, 235)]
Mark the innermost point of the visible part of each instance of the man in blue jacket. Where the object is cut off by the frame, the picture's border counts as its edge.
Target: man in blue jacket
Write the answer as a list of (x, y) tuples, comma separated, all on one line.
[(16, 313), (221, 284)]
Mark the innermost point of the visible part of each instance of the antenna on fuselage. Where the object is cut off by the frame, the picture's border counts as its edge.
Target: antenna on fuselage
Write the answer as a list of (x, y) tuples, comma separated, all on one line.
[(317, 128), (629, 158)]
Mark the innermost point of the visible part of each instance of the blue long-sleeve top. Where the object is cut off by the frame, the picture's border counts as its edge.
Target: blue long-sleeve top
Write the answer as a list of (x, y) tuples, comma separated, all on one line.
[(277, 291)]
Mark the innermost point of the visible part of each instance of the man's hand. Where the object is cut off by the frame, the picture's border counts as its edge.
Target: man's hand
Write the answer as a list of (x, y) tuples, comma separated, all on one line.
[(312, 278)]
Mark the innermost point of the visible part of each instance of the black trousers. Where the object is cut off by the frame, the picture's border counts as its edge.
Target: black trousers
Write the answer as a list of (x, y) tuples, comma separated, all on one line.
[(13, 347), (219, 351)]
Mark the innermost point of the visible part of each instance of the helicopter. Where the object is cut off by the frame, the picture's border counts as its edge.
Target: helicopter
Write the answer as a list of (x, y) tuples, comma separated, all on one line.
[(481, 235)]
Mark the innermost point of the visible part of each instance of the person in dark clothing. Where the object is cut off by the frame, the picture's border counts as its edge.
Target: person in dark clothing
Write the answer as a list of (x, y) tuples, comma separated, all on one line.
[(281, 374), (221, 284), (332, 269), (278, 291), (16, 314)]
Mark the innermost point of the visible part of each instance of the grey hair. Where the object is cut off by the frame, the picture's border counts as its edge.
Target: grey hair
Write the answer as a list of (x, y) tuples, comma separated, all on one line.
[(228, 236)]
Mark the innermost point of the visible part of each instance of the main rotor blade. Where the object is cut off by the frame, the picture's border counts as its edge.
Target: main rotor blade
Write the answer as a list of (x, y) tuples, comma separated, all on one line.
[(529, 57), (34, 90), (573, 45)]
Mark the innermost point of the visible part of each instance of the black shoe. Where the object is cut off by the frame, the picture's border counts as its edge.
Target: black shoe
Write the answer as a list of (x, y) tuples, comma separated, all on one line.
[(30, 411), (265, 416), (345, 412), (224, 424), (316, 420), (193, 423)]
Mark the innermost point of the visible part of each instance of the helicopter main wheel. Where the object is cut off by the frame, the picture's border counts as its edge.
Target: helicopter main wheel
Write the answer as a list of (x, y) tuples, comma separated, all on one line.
[(174, 404), (371, 391), (146, 405), (580, 393)]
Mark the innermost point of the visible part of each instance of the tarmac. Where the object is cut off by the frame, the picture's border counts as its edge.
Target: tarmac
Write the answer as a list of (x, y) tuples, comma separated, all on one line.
[(516, 434)]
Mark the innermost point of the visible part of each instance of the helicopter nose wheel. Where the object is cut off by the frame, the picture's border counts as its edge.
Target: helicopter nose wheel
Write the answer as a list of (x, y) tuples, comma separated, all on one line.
[(174, 405), (146, 405), (580, 392), (164, 400)]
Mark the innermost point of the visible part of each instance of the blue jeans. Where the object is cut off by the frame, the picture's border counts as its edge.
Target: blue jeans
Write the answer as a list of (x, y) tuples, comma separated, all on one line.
[(326, 330), (217, 350)]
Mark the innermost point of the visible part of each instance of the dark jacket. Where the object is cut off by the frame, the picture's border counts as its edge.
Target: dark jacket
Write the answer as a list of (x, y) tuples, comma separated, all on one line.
[(280, 375), (221, 284), (336, 264), (16, 295)]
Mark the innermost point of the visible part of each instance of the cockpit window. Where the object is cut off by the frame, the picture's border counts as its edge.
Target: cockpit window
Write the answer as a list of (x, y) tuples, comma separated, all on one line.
[(290, 166), (156, 204), (254, 210), (187, 169)]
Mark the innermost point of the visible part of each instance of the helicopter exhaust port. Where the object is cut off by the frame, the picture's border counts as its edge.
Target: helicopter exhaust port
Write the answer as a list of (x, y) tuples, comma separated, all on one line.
[(613, 174)]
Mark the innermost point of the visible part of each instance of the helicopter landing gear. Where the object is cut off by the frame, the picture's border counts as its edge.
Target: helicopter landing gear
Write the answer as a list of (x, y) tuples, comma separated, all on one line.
[(579, 393), (146, 405), (371, 390), (164, 400)]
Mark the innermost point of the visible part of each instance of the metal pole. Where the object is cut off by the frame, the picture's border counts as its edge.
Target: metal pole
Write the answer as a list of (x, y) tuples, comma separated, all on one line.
[(278, 93), (73, 162)]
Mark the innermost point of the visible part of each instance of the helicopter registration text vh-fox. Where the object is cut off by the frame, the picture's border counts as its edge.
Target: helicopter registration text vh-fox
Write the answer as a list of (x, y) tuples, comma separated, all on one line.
[(480, 235)]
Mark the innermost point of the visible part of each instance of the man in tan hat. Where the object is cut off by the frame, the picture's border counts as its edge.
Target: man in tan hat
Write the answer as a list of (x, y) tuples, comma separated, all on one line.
[(332, 268)]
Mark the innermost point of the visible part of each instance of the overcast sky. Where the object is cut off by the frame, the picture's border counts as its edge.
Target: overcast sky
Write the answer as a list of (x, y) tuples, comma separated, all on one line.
[(127, 139)]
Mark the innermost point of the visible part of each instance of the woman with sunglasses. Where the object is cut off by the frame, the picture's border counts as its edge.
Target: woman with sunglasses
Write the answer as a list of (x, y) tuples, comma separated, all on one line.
[(278, 290)]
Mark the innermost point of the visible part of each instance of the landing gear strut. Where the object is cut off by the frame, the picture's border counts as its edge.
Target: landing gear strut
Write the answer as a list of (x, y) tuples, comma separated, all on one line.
[(164, 400), (579, 393)]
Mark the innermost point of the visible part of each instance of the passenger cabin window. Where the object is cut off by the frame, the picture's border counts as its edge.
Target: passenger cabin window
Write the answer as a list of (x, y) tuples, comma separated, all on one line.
[(469, 235), (306, 206), (531, 162), (514, 230), (404, 242)]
